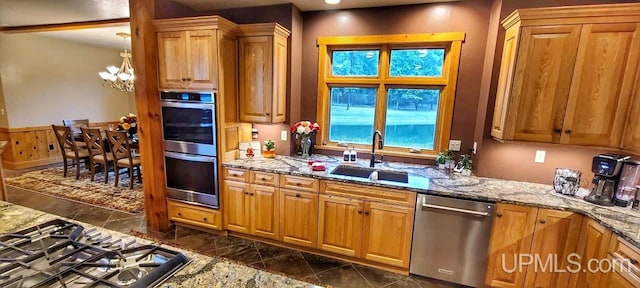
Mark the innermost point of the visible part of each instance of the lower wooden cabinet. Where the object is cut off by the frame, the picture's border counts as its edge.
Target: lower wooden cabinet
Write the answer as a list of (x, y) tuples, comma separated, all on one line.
[(593, 244), (521, 232), (194, 215), (298, 217), (625, 259), (511, 236), (369, 230), (615, 280), (251, 209)]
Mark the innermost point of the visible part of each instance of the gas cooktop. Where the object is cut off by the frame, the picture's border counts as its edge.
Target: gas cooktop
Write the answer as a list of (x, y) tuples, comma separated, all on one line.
[(64, 254)]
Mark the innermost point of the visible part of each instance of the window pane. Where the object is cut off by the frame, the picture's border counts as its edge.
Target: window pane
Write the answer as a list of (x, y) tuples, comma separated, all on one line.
[(355, 63), (411, 118), (417, 62), (351, 114)]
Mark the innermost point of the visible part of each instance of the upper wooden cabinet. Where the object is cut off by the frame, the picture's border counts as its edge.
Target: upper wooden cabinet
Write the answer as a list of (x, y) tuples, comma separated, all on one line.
[(567, 74), (263, 72), (188, 56)]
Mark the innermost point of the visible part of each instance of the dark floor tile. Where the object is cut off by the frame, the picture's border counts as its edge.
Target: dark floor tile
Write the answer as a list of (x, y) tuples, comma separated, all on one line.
[(425, 282), (226, 241), (268, 251), (118, 215), (60, 207), (258, 265), (313, 279), (292, 265), (345, 276), (377, 277), (245, 253), (320, 263), (124, 225), (93, 215), (201, 242)]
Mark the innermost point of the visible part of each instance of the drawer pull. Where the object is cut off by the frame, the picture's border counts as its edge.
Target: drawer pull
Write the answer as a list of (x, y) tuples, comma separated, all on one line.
[(251, 194), (179, 214), (298, 183), (297, 195), (205, 219), (246, 193), (633, 261), (542, 221), (263, 179), (557, 130), (366, 212), (567, 131), (499, 215), (359, 211)]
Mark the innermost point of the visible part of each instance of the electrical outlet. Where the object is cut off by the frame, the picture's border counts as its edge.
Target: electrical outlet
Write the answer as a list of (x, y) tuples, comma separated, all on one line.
[(283, 135), (540, 154), (454, 145), (1, 111)]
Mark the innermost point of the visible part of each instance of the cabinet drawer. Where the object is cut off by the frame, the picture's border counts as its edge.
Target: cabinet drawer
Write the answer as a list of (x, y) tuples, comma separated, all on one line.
[(404, 198), (195, 215), (264, 178), (299, 183), (235, 174), (629, 257)]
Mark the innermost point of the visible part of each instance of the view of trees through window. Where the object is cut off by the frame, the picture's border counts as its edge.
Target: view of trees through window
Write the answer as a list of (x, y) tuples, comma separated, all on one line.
[(411, 112)]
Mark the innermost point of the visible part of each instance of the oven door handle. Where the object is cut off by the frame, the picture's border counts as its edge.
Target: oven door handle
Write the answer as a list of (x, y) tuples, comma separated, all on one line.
[(187, 105), (189, 157)]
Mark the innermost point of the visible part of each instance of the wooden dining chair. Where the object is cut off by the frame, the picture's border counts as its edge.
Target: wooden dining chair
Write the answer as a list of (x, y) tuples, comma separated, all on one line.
[(97, 151), (75, 126), (69, 148), (122, 155)]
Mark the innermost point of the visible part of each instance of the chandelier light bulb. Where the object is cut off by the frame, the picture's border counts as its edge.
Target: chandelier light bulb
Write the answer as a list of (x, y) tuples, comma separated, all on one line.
[(120, 78)]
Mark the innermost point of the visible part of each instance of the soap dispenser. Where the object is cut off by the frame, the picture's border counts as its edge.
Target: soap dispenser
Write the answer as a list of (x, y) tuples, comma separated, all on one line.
[(346, 156), (353, 155)]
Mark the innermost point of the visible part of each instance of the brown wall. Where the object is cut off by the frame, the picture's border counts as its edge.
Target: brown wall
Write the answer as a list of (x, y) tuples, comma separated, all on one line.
[(515, 160), (471, 17)]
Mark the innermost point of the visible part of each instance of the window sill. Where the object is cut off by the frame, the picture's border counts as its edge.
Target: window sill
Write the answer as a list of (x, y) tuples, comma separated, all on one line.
[(422, 155)]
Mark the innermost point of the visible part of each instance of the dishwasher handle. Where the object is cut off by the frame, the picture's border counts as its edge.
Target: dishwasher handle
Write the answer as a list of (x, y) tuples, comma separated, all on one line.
[(465, 211)]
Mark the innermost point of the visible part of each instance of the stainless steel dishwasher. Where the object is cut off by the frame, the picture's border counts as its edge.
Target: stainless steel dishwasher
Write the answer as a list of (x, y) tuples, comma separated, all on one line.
[(451, 239)]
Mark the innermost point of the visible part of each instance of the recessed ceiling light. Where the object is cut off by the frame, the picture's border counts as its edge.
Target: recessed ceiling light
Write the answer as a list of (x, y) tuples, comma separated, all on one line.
[(332, 2)]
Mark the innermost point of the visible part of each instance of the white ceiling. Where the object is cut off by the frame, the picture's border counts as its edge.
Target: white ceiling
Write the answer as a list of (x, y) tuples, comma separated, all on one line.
[(304, 5)]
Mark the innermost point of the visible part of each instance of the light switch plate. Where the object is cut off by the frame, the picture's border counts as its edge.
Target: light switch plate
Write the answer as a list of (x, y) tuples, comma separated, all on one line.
[(283, 135), (454, 145), (540, 154)]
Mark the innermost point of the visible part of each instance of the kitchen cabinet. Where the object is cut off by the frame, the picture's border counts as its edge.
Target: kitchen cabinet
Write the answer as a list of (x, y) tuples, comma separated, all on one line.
[(528, 231), (194, 215), (512, 234), (251, 208), (593, 244), (358, 222), (631, 135), (567, 79), (298, 217), (626, 266), (187, 60), (263, 72)]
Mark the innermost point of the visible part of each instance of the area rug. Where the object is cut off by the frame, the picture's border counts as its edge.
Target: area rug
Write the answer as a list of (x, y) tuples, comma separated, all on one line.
[(50, 181)]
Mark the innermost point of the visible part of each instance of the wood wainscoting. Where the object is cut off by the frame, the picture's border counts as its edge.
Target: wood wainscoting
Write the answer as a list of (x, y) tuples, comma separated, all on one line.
[(34, 146)]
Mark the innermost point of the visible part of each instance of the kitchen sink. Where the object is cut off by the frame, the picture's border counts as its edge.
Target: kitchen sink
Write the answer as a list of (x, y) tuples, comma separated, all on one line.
[(364, 172)]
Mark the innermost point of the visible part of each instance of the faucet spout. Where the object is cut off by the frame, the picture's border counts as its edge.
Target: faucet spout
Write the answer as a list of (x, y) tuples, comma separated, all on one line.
[(373, 147)]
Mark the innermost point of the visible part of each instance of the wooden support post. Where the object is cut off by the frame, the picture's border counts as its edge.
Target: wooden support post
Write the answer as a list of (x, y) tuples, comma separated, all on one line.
[(143, 42)]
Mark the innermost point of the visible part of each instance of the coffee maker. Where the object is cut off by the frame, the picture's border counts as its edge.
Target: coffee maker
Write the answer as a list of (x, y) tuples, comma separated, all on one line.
[(606, 168)]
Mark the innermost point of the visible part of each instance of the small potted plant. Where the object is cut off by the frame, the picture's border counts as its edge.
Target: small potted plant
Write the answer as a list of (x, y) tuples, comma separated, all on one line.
[(269, 149), (464, 165), (443, 156)]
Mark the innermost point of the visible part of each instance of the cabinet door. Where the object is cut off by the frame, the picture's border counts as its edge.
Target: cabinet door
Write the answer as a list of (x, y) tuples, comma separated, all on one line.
[(298, 217), (340, 228), (264, 211), (505, 81), (602, 84), (387, 234), (171, 56), (631, 135), (545, 62), (615, 280), (279, 97), (236, 206), (593, 244), (202, 59), (555, 237), (511, 236), (256, 78)]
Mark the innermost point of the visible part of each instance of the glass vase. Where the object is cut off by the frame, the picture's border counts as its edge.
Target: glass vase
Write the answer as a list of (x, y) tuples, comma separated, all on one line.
[(305, 143)]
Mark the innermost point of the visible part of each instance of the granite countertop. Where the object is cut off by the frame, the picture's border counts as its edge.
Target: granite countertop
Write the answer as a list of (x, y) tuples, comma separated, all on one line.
[(202, 271), (430, 180)]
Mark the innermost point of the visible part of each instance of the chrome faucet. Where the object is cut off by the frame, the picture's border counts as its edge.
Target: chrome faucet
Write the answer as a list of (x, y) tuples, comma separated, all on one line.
[(373, 147)]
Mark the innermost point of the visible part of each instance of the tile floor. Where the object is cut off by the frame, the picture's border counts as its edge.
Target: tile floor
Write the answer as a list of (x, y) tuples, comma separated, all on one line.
[(293, 263)]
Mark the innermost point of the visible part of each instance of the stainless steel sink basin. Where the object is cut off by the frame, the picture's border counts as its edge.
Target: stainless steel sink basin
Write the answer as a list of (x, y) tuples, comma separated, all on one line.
[(364, 172)]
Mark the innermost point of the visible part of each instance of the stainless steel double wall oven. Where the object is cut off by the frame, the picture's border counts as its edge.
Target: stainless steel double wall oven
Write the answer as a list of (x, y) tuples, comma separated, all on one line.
[(189, 133)]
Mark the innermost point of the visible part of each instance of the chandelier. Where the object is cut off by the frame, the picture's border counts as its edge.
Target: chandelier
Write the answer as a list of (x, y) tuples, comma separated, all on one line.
[(121, 79)]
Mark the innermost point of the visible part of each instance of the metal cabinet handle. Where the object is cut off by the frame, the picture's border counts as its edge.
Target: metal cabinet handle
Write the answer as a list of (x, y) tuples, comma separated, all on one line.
[(298, 184), (263, 179), (359, 211), (205, 219), (246, 193), (297, 195), (499, 215), (366, 212), (188, 79), (567, 131), (251, 194), (179, 214), (267, 114), (542, 221), (557, 130), (183, 79)]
